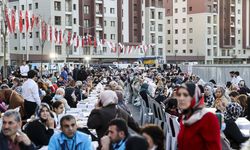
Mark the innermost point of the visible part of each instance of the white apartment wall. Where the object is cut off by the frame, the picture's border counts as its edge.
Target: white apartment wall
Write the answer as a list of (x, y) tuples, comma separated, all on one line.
[(108, 17), (169, 37), (125, 20)]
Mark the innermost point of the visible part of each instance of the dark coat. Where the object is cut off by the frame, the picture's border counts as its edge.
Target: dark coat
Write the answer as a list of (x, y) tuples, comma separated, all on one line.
[(68, 96), (4, 144), (100, 118)]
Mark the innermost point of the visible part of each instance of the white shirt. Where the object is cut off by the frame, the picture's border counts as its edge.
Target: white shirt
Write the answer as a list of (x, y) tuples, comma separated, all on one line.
[(30, 91), (24, 69)]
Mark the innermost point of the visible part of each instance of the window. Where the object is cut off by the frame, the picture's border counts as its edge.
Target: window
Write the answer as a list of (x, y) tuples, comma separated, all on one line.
[(239, 1), (244, 51), (168, 11), (176, 1), (190, 30), (238, 31), (86, 9), (176, 10), (15, 36), (57, 20), (74, 6), (176, 31), (105, 23), (238, 41), (238, 21), (169, 51), (169, 31), (208, 19), (112, 36), (190, 9), (58, 49), (30, 34), (160, 39), (104, 9), (74, 20), (23, 21), (183, 31), (160, 15), (184, 51), (36, 5), (30, 6), (176, 21), (208, 52), (168, 21), (190, 19), (23, 35), (37, 48), (238, 11), (184, 9), (112, 23), (209, 41), (183, 41), (176, 41), (22, 7), (37, 34), (112, 10), (160, 51), (57, 6), (14, 7), (15, 48), (190, 41), (209, 30), (169, 42), (160, 27), (105, 36), (190, 51), (31, 48), (183, 20), (23, 48)]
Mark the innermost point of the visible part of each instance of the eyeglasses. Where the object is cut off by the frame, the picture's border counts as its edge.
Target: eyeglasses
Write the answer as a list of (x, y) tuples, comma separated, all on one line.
[(184, 94)]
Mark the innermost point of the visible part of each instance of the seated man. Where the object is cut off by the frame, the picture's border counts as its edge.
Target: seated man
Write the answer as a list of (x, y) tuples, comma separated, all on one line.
[(11, 137), (117, 135), (69, 138)]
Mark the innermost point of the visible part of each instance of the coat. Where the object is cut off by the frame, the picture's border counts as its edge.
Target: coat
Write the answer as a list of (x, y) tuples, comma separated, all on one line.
[(99, 119), (201, 135)]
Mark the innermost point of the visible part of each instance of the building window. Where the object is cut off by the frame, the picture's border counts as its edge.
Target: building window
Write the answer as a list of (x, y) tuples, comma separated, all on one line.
[(57, 6), (112, 10), (190, 41), (208, 52), (190, 30), (160, 27), (160, 51), (23, 35), (58, 49), (169, 42), (176, 1), (160, 39), (74, 20), (244, 51), (37, 34), (74, 6), (184, 51), (183, 41), (160, 15), (238, 41), (86, 23), (176, 21), (184, 9), (57, 20), (23, 48), (30, 35), (112, 36), (168, 11), (36, 5), (22, 7), (86, 9), (209, 41), (31, 48), (176, 10), (169, 31), (37, 48), (238, 21), (239, 1), (168, 21), (15, 35), (183, 31), (208, 19), (23, 21), (30, 6), (176, 31), (238, 11), (190, 51), (169, 51), (190, 9), (112, 23), (176, 41), (209, 30), (105, 23), (183, 20), (15, 48)]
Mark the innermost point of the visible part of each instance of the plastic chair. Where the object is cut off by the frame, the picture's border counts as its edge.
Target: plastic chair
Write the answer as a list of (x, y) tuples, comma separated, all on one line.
[(172, 130)]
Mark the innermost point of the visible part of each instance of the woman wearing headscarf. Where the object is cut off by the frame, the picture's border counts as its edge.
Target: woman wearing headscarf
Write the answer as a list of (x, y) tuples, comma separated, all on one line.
[(232, 131), (199, 129), (41, 129), (208, 95), (221, 101), (106, 110)]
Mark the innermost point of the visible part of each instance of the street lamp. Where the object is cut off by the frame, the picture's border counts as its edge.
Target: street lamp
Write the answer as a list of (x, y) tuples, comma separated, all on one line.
[(87, 58)]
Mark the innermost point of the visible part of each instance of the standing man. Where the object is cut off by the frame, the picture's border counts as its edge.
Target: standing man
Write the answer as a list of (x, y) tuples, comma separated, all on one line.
[(11, 137), (117, 135), (30, 93), (69, 138), (24, 69)]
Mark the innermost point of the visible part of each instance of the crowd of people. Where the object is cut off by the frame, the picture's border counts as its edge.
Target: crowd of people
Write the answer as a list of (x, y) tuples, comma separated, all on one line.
[(41, 119)]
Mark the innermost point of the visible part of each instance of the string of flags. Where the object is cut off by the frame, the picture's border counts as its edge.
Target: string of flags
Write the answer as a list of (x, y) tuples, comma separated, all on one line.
[(15, 22)]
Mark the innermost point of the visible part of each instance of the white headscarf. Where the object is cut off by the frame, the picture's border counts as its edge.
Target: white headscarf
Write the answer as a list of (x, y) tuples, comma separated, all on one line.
[(108, 97)]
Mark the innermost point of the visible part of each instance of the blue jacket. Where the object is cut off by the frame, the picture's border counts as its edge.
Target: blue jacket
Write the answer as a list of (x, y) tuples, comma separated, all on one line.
[(80, 141)]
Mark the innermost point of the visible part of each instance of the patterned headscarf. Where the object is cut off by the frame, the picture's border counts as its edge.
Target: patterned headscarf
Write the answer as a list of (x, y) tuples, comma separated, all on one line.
[(233, 111), (209, 100)]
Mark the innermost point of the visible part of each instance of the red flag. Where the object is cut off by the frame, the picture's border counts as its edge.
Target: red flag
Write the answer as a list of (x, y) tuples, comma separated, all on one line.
[(83, 40), (89, 40), (95, 43), (56, 35), (13, 20), (77, 42), (8, 19), (60, 36), (32, 21), (27, 20), (69, 38), (130, 49), (50, 33), (44, 31), (21, 21)]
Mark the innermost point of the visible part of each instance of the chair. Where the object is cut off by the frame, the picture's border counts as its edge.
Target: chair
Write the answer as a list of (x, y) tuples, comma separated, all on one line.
[(145, 114), (172, 131)]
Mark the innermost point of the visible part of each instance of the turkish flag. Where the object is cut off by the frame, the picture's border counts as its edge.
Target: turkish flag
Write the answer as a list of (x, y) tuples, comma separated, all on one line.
[(69, 38), (8, 19), (56, 35), (27, 20), (13, 20), (21, 21), (60, 36), (32, 21), (77, 42), (50, 33)]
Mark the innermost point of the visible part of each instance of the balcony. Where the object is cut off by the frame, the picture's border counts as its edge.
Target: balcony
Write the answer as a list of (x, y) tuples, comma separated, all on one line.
[(232, 24), (232, 2), (98, 27), (215, 1), (98, 14), (232, 14), (152, 28), (98, 1)]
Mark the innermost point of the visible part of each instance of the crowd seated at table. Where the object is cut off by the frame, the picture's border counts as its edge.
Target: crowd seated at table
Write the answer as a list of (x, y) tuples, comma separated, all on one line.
[(84, 108)]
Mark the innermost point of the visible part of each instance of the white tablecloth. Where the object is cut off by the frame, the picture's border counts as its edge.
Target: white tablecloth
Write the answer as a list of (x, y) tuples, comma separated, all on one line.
[(243, 123)]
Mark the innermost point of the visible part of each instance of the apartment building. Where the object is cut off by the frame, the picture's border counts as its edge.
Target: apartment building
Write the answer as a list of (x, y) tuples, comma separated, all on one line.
[(209, 32)]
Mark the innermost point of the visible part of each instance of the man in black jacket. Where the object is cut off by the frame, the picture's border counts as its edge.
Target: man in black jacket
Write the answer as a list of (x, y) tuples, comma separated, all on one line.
[(11, 136)]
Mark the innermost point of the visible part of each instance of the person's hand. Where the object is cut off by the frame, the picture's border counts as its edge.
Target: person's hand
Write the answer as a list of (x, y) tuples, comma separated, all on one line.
[(23, 138), (50, 123), (105, 142)]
